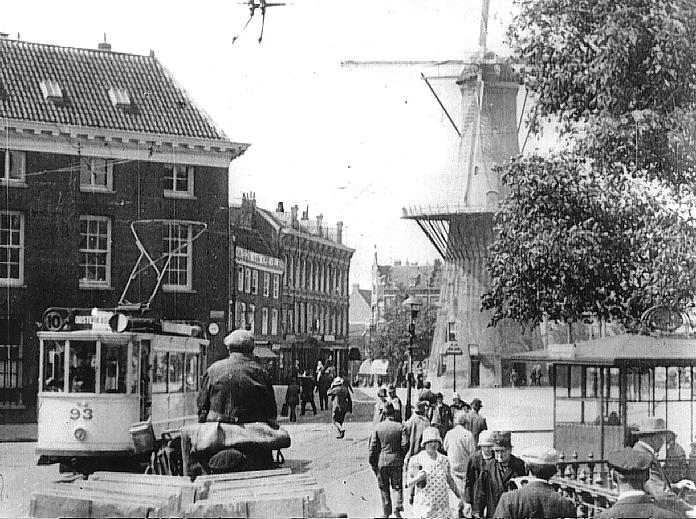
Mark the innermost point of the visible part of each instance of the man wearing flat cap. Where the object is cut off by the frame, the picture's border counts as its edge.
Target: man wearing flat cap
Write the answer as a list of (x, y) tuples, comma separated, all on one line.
[(496, 475), (651, 434), (630, 469), (537, 498), (237, 389)]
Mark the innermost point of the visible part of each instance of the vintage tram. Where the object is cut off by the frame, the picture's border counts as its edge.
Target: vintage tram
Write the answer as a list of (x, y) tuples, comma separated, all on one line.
[(100, 373)]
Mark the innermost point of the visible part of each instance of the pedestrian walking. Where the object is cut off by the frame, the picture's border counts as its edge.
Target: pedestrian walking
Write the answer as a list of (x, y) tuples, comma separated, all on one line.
[(292, 398), (413, 433), (429, 472), (307, 385), (476, 421), (441, 415), (474, 467), (342, 404), (537, 498), (458, 404), (386, 457), (427, 394), (322, 388), (378, 412), (630, 470), (496, 475), (396, 402), (459, 445)]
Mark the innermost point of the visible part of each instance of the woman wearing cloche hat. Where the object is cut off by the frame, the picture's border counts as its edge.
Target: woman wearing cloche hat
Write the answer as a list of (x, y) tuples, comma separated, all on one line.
[(429, 471)]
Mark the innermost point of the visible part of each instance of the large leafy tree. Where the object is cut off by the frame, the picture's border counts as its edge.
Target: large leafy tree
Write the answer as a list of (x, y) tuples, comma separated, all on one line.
[(390, 338), (604, 228)]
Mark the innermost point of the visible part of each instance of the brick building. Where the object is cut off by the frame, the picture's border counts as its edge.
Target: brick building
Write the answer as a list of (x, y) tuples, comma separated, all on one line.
[(91, 141), (314, 287), (257, 280)]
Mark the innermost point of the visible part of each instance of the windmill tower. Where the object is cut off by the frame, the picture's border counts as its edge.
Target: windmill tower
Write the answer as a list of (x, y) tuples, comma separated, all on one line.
[(461, 232)]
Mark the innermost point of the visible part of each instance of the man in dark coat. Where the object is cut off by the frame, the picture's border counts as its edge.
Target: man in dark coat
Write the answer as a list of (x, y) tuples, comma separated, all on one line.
[(237, 389), (427, 394), (537, 498), (474, 467), (496, 475), (307, 386), (476, 421), (441, 415), (386, 457), (630, 470), (342, 404), (292, 398), (323, 386)]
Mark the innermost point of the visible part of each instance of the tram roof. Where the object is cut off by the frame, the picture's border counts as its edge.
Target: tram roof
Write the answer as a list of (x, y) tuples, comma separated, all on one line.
[(617, 350)]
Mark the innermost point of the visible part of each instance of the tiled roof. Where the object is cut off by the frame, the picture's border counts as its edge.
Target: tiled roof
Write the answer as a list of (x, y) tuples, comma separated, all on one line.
[(252, 240), (404, 276), (159, 105), (366, 295)]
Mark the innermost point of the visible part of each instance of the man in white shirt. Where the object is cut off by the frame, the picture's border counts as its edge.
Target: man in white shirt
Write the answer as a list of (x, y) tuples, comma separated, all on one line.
[(459, 445)]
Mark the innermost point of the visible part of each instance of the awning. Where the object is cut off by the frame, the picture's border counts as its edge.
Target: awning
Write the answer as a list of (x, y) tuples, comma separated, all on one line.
[(365, 367), (262, 352), (379, 367)]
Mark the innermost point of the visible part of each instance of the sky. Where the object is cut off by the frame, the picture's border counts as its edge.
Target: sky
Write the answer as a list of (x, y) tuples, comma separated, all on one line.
[(353, 143)]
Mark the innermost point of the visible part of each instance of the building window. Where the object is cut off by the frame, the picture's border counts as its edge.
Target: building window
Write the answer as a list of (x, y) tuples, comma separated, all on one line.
[(240, 279), (264, 321), (451, 332), (95, 251), (266, 284), (247, 280), (240, 316), (11, 382), (274, 321), (177, 244), (252, 318), (178, 181), (96, 175), (475, 373), (276, 286), (255, 282), (11, 248), (13, 164)]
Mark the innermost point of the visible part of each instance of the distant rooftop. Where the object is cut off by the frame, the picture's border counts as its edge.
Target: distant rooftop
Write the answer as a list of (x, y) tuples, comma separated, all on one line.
[(97, 88)]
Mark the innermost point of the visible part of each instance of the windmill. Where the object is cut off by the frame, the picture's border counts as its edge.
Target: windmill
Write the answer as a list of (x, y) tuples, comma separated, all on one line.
[(461, 231), (261, 5)]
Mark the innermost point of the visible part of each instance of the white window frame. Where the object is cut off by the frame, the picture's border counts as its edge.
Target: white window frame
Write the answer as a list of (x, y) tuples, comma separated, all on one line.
[(276, 286), (266, 284), (21, 156), (84, 282), (89, 165), (252, 318), (240, 278), (174, 170), (255, 282), (19, 281), (451, 331), (186, 252), (247, 280), (264, 321), (274, 321)]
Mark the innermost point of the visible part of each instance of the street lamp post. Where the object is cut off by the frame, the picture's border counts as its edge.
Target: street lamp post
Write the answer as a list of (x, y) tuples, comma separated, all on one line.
[(413, 305)]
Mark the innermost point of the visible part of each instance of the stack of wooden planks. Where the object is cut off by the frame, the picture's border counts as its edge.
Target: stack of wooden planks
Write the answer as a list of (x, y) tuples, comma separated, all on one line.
[(264, 493)]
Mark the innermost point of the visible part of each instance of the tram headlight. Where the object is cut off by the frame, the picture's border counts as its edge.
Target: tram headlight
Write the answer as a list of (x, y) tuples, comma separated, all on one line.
[(80, 434)]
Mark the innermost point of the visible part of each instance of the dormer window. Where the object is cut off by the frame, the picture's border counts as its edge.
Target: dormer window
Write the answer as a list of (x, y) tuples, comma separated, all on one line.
[(119, 97), (51, 89)]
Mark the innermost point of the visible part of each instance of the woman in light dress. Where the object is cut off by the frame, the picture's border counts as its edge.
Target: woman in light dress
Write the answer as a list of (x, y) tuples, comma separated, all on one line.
[(429, 471)]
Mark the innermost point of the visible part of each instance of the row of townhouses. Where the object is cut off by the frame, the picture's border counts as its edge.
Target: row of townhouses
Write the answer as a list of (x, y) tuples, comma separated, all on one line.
[(92, 140)]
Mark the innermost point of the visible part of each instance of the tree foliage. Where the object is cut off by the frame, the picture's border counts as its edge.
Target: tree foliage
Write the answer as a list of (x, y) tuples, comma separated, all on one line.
[(604, 228), (390, 339)]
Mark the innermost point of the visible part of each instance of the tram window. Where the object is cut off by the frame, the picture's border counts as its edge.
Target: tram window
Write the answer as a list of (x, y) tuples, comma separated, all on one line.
[(660, 383), (685, 383), (54, 366), (562, 380), (611, 383), (191, 372), (672, 383), (575, 381), (176, 372), (612, 412), (646, 384), (592, 382), (83, 362), (636, 412), (159, 372), (113, 368), (133, 370)]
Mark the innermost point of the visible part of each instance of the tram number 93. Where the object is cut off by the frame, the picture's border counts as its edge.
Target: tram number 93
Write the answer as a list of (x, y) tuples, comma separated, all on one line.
[(75, 413)]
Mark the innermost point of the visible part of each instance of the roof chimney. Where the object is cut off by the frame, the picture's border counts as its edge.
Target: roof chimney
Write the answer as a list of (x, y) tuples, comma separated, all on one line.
[(104, 45), (320, 221), (280, 208), (305, 214)]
